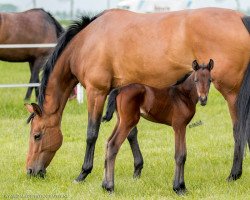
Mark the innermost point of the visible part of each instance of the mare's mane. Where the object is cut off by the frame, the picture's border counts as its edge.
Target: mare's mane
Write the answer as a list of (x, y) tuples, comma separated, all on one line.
[(65, 38)]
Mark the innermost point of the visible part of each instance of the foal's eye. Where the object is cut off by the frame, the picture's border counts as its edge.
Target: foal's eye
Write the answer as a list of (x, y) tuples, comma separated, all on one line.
[(196, 80), (37, 136)]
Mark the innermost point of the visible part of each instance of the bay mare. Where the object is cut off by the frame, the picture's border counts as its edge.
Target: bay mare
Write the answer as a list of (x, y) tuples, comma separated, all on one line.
[(174, 106), (33, 26), (118, 47)]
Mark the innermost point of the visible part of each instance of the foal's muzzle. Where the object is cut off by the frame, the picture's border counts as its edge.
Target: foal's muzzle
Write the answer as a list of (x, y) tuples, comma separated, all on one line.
[(203, 100)]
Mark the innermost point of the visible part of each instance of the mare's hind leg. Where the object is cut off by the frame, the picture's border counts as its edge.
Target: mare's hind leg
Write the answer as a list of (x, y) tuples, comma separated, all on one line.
[(96, 99), (35, 67), (138, 159), (180, 158), (236, 170), (29, 90)]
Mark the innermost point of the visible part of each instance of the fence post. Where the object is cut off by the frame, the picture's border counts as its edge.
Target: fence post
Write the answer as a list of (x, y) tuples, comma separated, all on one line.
[(80, 93)]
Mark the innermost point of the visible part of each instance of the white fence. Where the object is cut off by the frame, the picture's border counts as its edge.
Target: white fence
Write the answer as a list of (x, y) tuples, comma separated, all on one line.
[(80, 93)]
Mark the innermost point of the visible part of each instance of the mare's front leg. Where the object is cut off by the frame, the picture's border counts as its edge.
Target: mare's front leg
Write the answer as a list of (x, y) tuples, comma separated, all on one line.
[(96, 99), (180, 158), (138, 159)]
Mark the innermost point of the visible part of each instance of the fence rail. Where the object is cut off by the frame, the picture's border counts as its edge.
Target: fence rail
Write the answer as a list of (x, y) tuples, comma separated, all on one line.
[(26, 46), (80, 93), (19, 85)]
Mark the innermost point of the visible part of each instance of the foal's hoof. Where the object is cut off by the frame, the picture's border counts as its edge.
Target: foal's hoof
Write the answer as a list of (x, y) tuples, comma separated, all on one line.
[(181, 189), (234, 177), (108, 187)]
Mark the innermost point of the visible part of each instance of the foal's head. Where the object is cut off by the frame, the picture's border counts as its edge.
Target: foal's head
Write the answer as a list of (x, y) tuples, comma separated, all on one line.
[(202, 79)]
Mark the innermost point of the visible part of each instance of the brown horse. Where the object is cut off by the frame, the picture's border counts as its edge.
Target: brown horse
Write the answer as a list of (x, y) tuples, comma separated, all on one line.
[(119, 47), (174, 106), (30, 27)]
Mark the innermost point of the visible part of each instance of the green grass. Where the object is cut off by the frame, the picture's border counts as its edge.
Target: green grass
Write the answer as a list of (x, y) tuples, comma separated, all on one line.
[(210, 150)]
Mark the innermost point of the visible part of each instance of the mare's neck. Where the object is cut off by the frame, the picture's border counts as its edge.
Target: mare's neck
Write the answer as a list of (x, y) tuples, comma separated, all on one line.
[(58, 88)]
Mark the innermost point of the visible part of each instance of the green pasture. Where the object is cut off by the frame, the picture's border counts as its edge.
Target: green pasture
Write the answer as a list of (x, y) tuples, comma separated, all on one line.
[(210, 151)]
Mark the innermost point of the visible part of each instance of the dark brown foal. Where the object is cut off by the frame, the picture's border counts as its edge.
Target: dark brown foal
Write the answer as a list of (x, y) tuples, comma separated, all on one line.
[(173, 106)]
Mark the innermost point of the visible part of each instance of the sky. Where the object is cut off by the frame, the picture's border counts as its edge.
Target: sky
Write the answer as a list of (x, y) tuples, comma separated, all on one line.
[(99, 5)]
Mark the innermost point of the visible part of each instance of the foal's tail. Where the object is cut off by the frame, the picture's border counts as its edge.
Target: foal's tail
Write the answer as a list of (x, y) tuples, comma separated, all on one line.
[(111, 107)]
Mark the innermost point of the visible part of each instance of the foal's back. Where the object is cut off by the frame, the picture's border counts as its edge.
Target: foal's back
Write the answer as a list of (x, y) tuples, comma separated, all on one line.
[(158, 105)]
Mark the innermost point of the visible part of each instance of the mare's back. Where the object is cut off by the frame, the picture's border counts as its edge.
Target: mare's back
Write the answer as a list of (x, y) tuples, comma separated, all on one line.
[(161, 46)]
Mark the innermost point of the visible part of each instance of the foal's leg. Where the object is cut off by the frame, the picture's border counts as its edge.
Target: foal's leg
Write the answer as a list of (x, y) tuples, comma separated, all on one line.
[(180, 158), (96, 99), (112, 149), (138, 159)]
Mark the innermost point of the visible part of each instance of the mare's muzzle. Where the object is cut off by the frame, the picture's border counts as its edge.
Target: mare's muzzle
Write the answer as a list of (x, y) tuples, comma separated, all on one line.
[(40, 172)]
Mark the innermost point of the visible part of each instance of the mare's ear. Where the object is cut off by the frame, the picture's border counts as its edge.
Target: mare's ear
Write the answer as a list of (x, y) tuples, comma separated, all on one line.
[(195, 65), (29, 107), (210, 64), (33, 108)]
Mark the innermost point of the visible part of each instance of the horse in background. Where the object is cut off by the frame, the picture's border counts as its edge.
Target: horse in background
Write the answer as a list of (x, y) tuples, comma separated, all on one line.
[(33, 26), (119, 47), (174, 106)]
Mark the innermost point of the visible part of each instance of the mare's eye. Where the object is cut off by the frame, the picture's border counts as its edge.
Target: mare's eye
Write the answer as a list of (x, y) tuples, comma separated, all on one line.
[(37, 136)]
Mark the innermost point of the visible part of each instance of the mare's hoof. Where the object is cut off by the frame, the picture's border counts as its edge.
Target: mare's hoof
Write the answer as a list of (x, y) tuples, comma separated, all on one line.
[(181, 189), (137, 173), (81, 177), (108, 187), (234, 177)]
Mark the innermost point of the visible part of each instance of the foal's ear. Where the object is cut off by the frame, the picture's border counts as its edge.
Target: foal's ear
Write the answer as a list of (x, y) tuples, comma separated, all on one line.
[(33, 108), (195, 65), (210, 64)]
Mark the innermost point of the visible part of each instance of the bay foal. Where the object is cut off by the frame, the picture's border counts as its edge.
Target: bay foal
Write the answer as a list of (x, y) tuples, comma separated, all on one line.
[(174, 106)]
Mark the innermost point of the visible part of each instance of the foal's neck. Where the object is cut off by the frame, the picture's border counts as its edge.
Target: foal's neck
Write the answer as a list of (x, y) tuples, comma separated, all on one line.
[(188, 89)]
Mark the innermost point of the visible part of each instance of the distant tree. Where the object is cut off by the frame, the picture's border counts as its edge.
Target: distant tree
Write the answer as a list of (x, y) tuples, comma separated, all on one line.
[(8, 8)]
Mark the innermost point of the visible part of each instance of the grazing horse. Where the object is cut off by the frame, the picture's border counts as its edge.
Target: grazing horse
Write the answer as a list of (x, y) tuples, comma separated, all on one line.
[(174, 106), (119, 47), (30, 27)]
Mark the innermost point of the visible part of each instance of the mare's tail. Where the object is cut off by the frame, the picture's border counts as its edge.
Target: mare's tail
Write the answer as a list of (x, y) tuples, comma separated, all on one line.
[(242, 127), (111, 106)]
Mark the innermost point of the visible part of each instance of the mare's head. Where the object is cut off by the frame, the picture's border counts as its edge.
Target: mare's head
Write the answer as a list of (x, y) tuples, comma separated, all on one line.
[(45, 140), (202, 79)]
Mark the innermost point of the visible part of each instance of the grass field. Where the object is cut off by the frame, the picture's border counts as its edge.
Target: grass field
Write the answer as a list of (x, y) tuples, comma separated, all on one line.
[(210, 150)]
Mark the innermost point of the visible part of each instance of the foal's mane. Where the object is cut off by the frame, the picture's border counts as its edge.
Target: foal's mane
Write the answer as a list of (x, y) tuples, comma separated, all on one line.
[(64, 40), (183, 79)]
